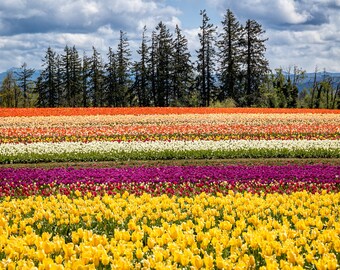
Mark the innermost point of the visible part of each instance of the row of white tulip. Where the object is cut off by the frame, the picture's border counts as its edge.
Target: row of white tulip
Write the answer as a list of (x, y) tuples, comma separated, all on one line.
[(109, 147)]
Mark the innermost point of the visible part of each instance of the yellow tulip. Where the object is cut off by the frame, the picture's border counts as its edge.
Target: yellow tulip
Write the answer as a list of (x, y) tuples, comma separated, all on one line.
[(220, 263), (59, 259), (205, 243), (158, 255), (197, 262), (105, 259), (151, 242), (11, 266), (48, 247), (208, 261), (184, 259), (177, 256)]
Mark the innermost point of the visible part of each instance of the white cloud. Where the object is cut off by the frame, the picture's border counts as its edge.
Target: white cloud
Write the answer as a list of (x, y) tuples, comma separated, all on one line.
[(12, 4), (79, 15), (301, 32), (192, 37), (289, 12), (304, 48), (133, 6), (273, 11), (28, 28)]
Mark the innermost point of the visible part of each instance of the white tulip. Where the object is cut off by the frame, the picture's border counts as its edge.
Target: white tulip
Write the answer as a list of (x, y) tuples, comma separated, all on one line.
[(158, 146)]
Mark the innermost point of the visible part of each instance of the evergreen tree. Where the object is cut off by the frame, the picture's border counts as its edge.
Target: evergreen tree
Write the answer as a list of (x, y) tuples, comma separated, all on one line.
[(60, 97), (76, 78), (280, 86), (230, 57), (66, 77), (164, 67), (182, 69), (71, 74), (96, 79), (123, 71), (206, 54), (268, 93), (48, 81), (152, 68), (111, 80), (9, 91), (41, 93), (141, 85), (336, 97), (254, 59), (25, 82), (291, 88), (286, 87), (85, 80)]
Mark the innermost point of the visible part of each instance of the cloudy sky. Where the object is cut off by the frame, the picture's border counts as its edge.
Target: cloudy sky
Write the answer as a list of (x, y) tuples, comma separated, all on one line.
[(305, 33)]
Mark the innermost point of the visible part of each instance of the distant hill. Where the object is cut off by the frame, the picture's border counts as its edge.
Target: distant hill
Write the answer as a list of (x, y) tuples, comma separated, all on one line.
[(4, 74), (308, 81)]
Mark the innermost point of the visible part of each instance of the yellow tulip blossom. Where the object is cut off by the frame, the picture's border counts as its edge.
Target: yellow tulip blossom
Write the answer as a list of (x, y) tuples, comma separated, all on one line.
[(236, 231)]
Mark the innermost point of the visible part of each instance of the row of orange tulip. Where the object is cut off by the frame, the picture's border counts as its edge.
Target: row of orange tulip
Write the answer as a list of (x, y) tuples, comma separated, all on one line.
[(6, 112), (169, 127)]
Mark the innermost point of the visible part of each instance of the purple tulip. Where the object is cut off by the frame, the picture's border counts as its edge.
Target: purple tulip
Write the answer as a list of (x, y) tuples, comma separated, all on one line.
[(203, 178)]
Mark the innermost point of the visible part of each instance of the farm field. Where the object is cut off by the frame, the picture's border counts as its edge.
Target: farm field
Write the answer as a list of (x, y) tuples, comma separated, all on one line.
[(169, 188)]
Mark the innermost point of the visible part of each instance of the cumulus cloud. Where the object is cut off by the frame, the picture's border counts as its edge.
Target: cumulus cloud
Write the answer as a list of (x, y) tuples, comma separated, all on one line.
[(301, 32), (37, 16), (28, 28), (276, 13)]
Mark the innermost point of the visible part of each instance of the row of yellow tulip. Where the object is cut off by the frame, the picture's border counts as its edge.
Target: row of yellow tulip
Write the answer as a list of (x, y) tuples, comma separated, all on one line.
[(237, 231)]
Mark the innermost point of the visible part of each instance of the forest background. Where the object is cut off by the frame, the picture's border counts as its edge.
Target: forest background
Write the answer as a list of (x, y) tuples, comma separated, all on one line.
[(230, 70)]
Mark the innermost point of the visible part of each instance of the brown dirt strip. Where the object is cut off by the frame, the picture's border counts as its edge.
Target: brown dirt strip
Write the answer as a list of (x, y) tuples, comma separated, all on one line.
[(182, 162)]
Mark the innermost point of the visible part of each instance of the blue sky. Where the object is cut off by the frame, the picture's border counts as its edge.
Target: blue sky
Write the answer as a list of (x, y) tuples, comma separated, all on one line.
[(301, 32)]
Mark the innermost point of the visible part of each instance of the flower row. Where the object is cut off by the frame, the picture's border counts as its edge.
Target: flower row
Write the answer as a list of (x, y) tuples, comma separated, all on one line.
[(185, 132), (101, 150), (170, 180), (169, 127), (171, 119), (12, 112), (236, 231)]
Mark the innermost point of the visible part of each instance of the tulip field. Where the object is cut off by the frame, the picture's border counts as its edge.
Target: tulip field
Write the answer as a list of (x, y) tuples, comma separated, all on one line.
[(169, 188)]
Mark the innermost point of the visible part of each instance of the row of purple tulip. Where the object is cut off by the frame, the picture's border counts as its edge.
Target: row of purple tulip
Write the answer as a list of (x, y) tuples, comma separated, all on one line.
[(168, 179)]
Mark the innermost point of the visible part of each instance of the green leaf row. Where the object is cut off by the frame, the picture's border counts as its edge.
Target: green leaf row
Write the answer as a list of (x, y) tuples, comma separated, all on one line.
[(169, 155)]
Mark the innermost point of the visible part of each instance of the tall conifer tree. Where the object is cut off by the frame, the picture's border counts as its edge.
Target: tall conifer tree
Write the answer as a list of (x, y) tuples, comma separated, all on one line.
[(66, 76), (254, 59), (111, 80), (141, 85), (96, 77), (86, 64), (230, 53), (123, 71), (76, 78), (206, 55), (182, 69), (49, 81), (164, 67), (152, 69), (25, 82)]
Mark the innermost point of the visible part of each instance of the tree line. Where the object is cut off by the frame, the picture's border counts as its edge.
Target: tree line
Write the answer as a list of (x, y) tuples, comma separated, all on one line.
[(230, 70)]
